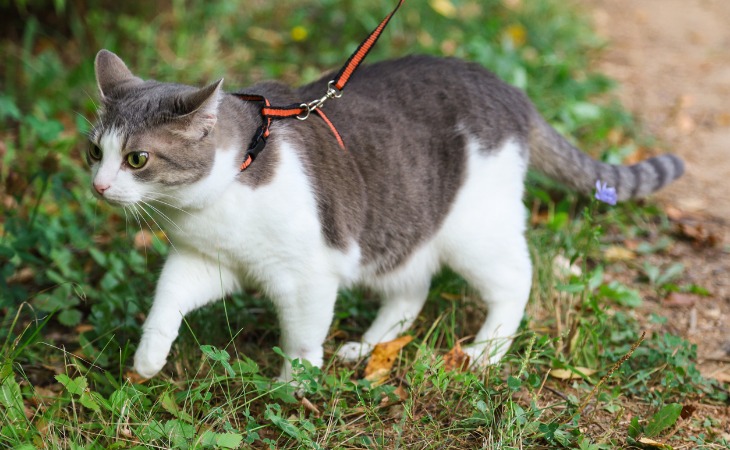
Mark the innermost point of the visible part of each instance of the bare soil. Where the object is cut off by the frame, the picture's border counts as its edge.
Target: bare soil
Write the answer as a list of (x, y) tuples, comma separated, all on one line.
[(672, 60)]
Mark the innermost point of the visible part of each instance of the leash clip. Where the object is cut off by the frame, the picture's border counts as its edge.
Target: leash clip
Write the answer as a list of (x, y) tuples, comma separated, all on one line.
[(332, 92)]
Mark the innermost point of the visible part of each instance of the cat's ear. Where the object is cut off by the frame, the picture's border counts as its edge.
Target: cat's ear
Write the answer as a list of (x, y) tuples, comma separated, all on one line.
[(199, 111), (111, 72)]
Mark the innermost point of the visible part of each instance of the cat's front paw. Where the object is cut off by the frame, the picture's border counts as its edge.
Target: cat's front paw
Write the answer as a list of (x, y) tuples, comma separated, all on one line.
[(149, 359), (354, 351)]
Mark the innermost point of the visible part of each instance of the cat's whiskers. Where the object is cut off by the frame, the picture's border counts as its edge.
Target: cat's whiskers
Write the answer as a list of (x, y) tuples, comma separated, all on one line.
[(141, 208), (152, 198), (162, 214), (126, 219), (135, 214), (87, 120)]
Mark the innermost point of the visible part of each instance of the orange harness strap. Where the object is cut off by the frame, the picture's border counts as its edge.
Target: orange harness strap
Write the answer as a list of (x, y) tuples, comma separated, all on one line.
[(303, 110)]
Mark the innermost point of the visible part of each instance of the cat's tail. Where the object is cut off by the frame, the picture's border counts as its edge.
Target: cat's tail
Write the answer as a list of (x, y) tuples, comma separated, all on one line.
[(553, 155)]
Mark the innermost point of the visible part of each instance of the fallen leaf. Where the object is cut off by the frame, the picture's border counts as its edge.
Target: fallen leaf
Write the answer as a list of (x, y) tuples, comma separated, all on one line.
[(654, 444), (456, 359), (565, 374), (616, 253), (680, 299), (382, 359), (698, 234)]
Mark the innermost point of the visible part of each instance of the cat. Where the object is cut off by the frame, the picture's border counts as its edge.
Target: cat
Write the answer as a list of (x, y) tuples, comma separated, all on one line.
[(431, 174)]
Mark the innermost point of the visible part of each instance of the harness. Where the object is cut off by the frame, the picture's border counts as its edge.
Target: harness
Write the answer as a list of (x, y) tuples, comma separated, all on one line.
[(302, 111)]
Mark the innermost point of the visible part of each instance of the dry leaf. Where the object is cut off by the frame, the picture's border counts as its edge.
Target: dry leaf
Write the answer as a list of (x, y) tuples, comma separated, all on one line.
[(680, 299), (456, 359), (450, 297), (382, 359), (616, 253), (698, 234), (565, 374), (654, 444)]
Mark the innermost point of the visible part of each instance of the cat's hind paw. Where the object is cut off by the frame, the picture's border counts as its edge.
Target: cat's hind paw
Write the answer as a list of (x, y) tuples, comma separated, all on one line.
[(354, 351), (481, 356)]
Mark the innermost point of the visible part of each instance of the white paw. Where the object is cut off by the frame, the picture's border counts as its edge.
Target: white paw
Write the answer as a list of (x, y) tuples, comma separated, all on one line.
[(481, 356), (354, 351), (149, 359)]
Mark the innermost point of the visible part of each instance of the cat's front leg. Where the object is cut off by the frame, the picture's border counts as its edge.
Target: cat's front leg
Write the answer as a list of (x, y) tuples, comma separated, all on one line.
[(188, 281), (305, 315)]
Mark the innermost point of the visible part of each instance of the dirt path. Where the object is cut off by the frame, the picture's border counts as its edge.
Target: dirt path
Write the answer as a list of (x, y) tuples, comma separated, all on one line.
[(672, 60)]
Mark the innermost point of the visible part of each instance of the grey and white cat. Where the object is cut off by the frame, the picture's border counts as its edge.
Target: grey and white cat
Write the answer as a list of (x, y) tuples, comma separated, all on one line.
[(432, 175)]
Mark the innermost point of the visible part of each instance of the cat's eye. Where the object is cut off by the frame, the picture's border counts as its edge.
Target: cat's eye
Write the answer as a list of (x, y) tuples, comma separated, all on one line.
[(137, 160), (95, 152)]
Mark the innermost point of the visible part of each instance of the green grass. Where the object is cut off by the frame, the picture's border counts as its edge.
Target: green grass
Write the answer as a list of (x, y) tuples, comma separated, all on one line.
[(73, 290)]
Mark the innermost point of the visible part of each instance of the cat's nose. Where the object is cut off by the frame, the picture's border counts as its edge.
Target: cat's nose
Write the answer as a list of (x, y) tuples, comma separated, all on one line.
[(100, 188)]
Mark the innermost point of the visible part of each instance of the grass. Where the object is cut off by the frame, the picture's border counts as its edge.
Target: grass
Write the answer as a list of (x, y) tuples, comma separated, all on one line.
[(73, 288)]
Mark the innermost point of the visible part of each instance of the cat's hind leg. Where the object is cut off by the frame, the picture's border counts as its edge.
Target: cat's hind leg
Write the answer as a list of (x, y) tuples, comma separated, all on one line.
[(397, 312), (502, 275), (483, 240)]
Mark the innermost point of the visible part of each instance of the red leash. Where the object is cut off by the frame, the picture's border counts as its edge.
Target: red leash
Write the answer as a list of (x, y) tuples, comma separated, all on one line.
[(303, 110)]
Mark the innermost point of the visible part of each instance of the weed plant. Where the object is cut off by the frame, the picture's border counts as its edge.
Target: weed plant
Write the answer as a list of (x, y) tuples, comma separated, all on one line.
[(74, 290)]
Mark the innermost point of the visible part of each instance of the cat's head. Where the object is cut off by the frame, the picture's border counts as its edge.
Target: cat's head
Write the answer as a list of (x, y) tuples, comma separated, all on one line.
[(153, 142)]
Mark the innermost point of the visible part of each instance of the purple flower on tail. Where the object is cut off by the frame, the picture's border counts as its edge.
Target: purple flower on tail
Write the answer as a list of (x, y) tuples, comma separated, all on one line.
[(605, 193)]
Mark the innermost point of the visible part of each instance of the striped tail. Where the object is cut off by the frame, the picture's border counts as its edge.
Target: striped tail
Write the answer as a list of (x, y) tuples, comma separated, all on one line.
[(554, 156)]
